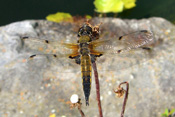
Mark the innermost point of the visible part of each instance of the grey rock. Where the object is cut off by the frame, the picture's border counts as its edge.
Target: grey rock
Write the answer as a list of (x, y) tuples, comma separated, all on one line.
[(42, 87)]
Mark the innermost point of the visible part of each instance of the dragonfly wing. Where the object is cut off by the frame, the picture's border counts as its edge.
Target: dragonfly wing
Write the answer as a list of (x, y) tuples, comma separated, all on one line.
[(51, 53), (119, 62), (124, 43), (123, 52), (41, 46), (62, 64)]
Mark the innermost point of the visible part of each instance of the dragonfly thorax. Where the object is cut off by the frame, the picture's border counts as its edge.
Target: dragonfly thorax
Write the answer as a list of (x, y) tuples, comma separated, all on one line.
[(84, 50), (84, 39), (84, 44)]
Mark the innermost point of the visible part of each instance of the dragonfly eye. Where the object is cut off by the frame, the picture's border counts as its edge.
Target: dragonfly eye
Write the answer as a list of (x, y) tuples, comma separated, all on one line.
[(88, 30), (85, 30), (80, 32)]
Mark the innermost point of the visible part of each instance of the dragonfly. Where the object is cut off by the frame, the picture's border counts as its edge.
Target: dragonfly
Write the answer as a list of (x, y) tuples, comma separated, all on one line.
[(89, 47)]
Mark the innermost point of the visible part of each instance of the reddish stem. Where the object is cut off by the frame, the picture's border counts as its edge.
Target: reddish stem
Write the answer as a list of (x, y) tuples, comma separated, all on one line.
[(81, 112), (97, 88), (126, 97)]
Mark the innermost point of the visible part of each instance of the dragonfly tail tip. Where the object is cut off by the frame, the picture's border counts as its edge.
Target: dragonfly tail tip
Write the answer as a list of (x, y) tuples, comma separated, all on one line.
[(87, 103)]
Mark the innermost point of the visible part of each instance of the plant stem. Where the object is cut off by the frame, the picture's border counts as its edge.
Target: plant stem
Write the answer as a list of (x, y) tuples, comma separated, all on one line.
[(97, 88), (81, 112), (126, 97)]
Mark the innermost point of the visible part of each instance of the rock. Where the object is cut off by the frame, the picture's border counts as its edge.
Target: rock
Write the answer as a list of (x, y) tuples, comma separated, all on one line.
[(42, 87)]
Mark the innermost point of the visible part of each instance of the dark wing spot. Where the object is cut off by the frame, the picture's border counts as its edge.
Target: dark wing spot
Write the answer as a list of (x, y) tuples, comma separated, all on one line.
[(32, 56), (25, 37), (55, 55), (46, 41), (145, 31), (98, 55), (71, 57), (146, 48), (119, 51), (120, 37)]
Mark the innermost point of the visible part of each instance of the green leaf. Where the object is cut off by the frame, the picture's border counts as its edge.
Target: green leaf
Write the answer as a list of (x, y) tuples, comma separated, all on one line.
[(88, 17), (164, 115), (166, 111), (128, 4), (115, 6), (59, 17), (106, 6), (172, 111)]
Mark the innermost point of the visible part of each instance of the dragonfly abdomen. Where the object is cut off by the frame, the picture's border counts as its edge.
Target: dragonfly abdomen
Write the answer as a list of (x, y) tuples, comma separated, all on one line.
[(86, 76)]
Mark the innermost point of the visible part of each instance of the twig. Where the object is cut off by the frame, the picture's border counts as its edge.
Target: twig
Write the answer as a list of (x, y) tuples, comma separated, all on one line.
[(81, 112), (78, 105), (120, 91), (97, 88)]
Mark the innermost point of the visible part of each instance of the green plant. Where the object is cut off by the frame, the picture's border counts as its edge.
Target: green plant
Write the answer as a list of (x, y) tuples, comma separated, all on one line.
[(66, 17), (102, 6), (168, 112), (59, 16), (115, 6)]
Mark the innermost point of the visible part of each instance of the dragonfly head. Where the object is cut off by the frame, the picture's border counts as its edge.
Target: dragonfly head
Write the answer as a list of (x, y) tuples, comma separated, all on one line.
[(85, 30)]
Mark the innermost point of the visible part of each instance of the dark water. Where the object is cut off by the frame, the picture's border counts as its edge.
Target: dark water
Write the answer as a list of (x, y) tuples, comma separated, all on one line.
[(17, 10)]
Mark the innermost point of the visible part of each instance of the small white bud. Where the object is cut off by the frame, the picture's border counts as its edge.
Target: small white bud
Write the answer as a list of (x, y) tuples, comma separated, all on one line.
[(74, 98)]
